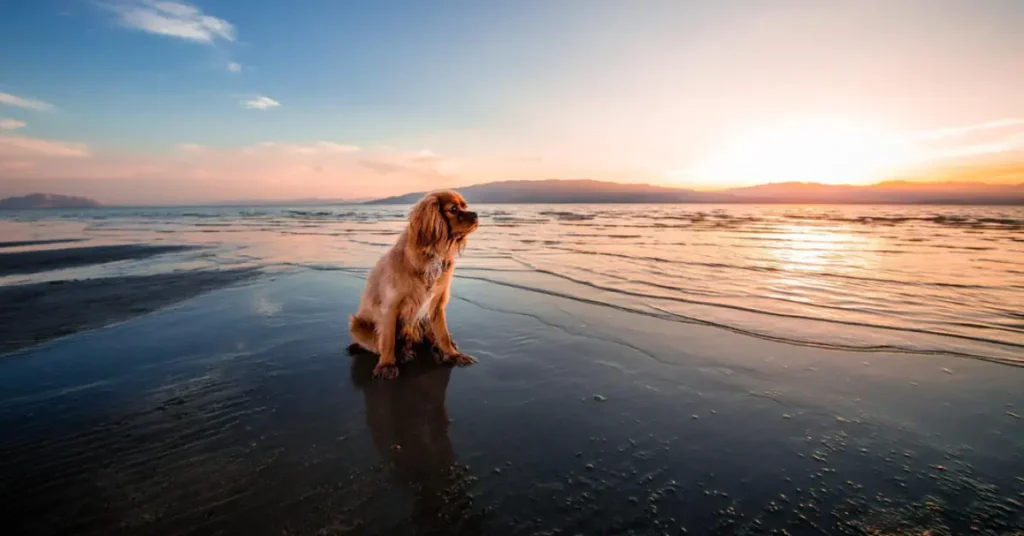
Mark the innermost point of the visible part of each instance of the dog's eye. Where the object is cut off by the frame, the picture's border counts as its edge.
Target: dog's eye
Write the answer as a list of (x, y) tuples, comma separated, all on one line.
[(453, 209)]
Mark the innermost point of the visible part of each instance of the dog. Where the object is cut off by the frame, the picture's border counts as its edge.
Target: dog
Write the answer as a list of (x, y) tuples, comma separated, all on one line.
[(409, 287)]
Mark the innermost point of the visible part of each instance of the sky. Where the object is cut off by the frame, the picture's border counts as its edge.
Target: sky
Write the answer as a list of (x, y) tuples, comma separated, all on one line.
[(150, 101)]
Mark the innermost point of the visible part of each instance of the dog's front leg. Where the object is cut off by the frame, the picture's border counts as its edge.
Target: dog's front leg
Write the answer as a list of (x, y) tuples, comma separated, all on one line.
[(386, 367), (443, 339), (412, 330)]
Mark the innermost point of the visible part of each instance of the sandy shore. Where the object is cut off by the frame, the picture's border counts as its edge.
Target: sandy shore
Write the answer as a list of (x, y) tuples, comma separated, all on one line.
[(242, 412)]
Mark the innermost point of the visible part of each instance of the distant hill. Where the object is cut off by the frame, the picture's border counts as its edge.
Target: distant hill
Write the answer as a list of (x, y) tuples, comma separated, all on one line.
[(567, 191), (47, 201), (590, 191)]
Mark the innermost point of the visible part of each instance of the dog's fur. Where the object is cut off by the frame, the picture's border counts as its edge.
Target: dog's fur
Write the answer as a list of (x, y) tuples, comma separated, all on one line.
[(408, 289)]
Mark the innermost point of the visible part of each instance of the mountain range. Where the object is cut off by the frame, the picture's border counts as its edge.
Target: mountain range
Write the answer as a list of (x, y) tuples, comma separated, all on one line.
[(47, 201), (591, 191)]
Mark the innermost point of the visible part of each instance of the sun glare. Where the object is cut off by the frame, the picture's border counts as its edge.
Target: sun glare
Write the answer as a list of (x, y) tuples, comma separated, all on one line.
[(823, 151)]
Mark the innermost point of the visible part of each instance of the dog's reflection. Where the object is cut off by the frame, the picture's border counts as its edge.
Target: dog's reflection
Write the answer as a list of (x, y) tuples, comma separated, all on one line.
[(408, 421)]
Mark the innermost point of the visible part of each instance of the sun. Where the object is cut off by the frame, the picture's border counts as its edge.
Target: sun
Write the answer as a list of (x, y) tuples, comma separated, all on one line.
[(826, 151)]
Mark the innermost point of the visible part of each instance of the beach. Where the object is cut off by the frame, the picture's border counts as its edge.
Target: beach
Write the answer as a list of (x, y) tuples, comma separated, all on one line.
[(220, 396)]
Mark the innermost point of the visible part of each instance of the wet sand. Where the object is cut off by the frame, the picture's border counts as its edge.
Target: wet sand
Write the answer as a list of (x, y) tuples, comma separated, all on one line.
[(24, 243), (44, 260), (37, 312), (242, 412)]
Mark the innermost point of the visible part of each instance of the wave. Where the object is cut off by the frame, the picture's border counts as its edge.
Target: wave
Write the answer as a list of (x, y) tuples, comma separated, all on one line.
[(940, 219), (676, 317), (773, 269), (771, 313), (568, 216), (883, 312)]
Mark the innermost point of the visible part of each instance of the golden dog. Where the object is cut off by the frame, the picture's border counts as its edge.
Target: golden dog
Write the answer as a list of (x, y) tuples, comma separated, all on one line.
[(409, 287)]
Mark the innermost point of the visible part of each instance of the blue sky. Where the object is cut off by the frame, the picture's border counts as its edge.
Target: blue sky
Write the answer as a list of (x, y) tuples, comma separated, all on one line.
[(430, 94), (382, 69)]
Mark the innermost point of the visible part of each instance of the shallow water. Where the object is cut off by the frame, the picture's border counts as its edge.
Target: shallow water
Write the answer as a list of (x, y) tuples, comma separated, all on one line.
[(894, 278), (633, 377)]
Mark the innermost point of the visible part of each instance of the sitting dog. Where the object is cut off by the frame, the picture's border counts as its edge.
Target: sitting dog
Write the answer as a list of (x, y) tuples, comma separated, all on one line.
[(409, 287)]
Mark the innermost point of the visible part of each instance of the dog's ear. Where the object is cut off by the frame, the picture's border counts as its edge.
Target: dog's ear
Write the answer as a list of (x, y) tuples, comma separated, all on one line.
[(426, 223)]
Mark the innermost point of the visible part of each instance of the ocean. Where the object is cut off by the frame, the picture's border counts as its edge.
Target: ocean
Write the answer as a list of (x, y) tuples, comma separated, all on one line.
[(919, 279)]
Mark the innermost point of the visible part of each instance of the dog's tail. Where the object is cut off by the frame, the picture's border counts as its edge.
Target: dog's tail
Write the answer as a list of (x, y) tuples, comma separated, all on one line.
[(364, 333)]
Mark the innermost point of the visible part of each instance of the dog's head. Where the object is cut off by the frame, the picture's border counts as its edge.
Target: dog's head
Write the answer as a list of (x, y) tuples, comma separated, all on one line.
[(441, 219)]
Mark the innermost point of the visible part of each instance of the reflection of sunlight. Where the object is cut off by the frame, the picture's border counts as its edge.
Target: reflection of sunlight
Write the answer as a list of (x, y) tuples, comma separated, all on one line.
[(268, 308), (801, 251), (806, 248), (805, 256)]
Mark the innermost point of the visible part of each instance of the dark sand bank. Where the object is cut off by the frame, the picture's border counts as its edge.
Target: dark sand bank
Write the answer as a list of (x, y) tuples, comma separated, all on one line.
[(28, 262), (23, 243), (38, 312), (241, 412)]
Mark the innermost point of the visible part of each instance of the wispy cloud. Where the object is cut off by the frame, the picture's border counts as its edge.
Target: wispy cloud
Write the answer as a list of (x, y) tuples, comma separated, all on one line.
[(1006, 145), (173, 19), (11, 124), (25, 102), (316, 148), (260, 103), (17, 145), (966, 142), (17, 165), (234, 67), (319, 147), (952, 132)]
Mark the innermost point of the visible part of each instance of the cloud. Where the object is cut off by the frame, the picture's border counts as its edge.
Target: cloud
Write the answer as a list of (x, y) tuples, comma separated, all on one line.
[(17, 165), (24, 102), (235, 67), (173, 19), (1012, 143), (267, 148), (192, 172), (966, 142), (423, 156), (260, 103), (382, 167), (11, 124), (951, 132), (17, 145), (319, 147)]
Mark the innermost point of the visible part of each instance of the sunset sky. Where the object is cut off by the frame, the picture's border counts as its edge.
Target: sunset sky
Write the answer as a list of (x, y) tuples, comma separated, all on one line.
[(146, 101)]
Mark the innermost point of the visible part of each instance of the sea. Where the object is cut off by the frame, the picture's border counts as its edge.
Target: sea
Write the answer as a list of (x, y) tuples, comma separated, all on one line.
[(917, 279)]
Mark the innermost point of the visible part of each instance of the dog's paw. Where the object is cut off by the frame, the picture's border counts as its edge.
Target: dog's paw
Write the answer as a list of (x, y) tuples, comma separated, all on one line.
[(385, 371), (460, 359), (407, 354)]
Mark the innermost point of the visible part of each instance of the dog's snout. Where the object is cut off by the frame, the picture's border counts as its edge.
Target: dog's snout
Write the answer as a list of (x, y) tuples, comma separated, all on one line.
[(471, 217)]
